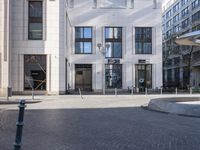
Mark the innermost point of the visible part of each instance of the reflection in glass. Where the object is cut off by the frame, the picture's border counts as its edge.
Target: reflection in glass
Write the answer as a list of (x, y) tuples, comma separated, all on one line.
[(143, 40), (35, 20), (83, 40), (114, 39), (34, 72), (143, 76), (113, 76)]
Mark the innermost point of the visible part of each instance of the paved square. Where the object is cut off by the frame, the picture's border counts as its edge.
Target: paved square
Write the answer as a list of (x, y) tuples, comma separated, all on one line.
[(105, 128)]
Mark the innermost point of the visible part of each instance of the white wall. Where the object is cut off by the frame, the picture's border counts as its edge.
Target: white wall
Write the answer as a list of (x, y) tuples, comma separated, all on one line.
[(142, 15)]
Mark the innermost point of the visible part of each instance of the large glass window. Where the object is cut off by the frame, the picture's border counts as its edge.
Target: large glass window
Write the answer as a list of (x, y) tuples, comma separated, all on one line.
[(113, 38), (143, 76), (113, 75), (34, 72), (83, 40), (35, 20), (143, 40)]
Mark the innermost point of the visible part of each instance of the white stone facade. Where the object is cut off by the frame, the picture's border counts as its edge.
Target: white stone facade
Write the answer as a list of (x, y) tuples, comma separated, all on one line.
[(59, 19)]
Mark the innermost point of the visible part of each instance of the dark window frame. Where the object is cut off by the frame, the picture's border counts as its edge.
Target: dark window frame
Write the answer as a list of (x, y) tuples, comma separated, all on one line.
[(34, 20), (29, 55), (89, 40), (142, 40), (114, 40)]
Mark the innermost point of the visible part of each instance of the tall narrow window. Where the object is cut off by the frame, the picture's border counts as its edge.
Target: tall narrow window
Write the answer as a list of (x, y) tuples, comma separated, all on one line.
[(113, 38), (143, 40), (83, 40), (35, 20)]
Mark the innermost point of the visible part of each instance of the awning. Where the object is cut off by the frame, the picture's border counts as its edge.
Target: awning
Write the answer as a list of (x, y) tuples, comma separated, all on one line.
[(189, 39)]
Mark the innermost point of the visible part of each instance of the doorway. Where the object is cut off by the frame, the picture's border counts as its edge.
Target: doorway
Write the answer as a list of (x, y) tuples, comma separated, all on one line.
[(83, 77)]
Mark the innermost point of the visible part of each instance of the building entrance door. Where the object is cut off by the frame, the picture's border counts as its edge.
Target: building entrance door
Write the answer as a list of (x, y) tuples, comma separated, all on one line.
[(143, 76), (83, 77)]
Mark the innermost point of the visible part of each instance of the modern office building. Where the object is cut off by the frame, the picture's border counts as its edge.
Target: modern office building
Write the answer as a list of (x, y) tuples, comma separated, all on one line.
[(52, 46), (180, 17)]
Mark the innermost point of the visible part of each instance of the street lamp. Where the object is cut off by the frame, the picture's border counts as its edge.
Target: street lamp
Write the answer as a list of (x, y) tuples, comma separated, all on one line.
[(102, 50)]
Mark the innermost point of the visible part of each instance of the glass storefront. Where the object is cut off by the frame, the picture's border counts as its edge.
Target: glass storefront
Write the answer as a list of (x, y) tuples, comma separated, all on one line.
[(113, 76), (34, 72), (143, 76)]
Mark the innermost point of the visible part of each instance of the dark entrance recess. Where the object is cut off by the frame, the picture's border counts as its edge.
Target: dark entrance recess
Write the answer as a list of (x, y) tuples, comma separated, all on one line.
[(83, 77)]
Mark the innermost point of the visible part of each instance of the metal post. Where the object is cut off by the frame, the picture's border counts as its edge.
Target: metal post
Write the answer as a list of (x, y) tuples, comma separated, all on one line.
[(161, 91), (176, 90), (190, 91), (32, 94), (19, 124), (132, 91), (115, 91), (80, 93), (146, 91)]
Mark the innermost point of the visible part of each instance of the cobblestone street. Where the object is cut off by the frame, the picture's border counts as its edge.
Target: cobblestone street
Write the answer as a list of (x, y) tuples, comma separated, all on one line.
[(120, 128), (117, 128)]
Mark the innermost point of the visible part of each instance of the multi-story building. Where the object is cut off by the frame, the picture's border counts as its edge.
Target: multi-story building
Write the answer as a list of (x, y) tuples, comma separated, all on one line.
[(180, 17), (56, 45)]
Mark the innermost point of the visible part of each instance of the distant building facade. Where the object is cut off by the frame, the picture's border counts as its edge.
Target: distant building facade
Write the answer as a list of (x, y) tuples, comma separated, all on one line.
[(53, 46), (180, 17)]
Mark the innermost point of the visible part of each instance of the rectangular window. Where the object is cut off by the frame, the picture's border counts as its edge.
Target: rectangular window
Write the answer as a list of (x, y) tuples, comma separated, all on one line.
[(185, 23), (185, 12), (35, 26), (196, 17), (143, 40), (113, 76), (35, 72), (83, 40), (113, 38)]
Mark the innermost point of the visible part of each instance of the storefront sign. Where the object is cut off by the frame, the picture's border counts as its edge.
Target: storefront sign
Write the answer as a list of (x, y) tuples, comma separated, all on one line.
[(142, 61), (113, 61)]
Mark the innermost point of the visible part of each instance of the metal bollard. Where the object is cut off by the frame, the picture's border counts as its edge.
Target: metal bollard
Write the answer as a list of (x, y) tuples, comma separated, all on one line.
[(161, 91), (146, 91), (115, 91), (176, 91), (132, 91), (80, 93), (190, 91), (19, 124)]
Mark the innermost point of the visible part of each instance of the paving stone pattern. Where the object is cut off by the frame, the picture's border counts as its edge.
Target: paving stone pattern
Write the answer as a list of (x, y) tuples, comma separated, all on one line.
[(101, 129)]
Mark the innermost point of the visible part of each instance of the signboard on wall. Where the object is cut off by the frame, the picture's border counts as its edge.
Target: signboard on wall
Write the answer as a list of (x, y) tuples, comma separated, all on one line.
[(113, 61)]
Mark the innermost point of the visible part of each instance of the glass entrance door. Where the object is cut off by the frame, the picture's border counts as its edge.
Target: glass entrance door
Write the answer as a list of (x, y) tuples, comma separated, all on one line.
[(83, 77), (143, 76)]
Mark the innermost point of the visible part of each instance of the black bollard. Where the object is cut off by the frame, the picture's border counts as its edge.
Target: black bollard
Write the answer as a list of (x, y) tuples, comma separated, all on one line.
[(19, 124)]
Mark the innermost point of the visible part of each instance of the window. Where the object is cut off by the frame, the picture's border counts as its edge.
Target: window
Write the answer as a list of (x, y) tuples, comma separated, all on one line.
[(185, 23), (183, 2), (143, 40), (196, 16), (113, 38), (176, 8), (168, 14), (185, 12), (83, 40), (169, 23), (169, 75), (35, 20), (176, 29), (176, 18), (34, 72), (195, 4), (113, 76)]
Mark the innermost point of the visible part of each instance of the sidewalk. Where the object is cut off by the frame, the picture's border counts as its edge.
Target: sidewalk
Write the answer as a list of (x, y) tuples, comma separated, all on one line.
[(88, 101)]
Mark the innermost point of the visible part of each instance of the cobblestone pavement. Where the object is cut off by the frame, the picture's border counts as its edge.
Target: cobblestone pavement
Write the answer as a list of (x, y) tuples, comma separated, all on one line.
[(120, 128)]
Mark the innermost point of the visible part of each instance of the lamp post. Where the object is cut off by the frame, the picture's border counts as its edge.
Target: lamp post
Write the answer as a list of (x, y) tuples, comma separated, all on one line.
[(102, 50)]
